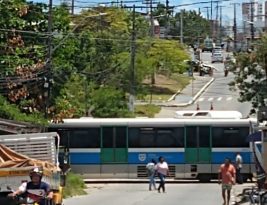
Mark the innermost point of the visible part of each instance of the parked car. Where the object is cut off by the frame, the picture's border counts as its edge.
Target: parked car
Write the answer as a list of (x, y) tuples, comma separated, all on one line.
[(217, 57), (217, 50)]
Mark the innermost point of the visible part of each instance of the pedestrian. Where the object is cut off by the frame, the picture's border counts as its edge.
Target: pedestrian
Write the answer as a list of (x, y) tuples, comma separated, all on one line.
[(238, 163), (163, 171), (226, 177), (151, 170)]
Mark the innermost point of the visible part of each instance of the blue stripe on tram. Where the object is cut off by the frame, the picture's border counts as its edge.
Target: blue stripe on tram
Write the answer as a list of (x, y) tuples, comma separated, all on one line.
[(145, 157), (219, 157), (84, 158)]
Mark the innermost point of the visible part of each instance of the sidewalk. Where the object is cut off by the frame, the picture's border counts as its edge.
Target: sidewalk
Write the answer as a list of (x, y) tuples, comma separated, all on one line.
[(191, 92)]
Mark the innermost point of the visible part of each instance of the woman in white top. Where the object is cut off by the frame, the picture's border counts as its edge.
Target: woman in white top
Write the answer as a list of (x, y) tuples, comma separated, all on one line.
[(163, 171)]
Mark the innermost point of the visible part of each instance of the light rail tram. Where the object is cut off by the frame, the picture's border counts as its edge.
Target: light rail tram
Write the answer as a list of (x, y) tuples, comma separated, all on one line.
[(194, 145)]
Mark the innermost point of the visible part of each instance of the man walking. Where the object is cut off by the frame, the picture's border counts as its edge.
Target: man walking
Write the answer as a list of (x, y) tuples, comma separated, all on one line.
[(239, 161), (226, 177)]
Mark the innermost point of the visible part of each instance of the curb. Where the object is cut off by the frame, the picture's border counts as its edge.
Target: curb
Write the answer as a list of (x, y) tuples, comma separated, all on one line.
[(173, 96), (194, 98)]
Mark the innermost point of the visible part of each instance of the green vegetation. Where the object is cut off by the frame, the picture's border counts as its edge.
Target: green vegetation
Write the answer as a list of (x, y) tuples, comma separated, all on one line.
[(146, 110), (195, 26), (90, 62), (74, 185), (251, 75), (11, 111)]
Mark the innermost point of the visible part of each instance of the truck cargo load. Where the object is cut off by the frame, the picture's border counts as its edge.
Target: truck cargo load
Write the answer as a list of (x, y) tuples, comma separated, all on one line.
[(19, 154)]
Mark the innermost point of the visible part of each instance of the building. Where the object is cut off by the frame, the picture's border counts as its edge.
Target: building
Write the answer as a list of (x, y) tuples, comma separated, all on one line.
[(253, 13)]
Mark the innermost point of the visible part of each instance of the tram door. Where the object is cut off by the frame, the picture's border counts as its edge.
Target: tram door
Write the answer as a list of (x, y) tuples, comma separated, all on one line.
[(114, 144), (198, 144)]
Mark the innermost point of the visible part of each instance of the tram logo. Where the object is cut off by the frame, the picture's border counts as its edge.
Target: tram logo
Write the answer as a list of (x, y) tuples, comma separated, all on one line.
[(142, 157)]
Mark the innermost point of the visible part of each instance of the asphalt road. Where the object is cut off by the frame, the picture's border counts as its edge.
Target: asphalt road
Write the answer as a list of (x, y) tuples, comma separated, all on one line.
[(218, 94), (138, 194)]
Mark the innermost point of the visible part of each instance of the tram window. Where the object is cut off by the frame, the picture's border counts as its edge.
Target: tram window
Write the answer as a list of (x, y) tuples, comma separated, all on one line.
[(191, 137), (133, 137), (94, 135), (107, 138), (142, 137), (230, 136), (87, 138), (204, 136), (121, 137), (146, 137), (170, 137)]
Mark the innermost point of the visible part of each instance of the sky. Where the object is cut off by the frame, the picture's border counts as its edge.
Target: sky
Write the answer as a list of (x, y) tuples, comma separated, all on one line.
[(227, 10)]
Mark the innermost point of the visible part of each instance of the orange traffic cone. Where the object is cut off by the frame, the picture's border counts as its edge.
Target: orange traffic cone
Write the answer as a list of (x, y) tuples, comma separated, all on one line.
[(197, 106), (211, 106)]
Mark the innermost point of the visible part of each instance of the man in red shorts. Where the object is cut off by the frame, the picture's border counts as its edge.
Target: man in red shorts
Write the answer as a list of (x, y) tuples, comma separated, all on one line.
[(227, 176)]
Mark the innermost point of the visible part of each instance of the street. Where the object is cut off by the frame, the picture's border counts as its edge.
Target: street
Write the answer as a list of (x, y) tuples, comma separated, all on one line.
[(138, 194), (217, 94)]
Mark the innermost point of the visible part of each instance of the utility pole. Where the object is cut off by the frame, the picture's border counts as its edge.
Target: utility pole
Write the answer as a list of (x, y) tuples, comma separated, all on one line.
[(207, 7), (252, 21), (211, 6), (181, 27), (167, 15), (47, 84), (221, 25), (217, 20), (72, 7), (151, 20), (132, 68), (152, 36), (235, 26)]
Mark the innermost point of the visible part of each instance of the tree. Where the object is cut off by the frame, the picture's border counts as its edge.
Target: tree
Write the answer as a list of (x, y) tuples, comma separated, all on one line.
[(23, 53), (251, 75), (167, 56), (89, 59), (195, 27)]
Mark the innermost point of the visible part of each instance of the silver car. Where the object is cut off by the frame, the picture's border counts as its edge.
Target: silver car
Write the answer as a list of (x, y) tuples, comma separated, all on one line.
[(217, 57)]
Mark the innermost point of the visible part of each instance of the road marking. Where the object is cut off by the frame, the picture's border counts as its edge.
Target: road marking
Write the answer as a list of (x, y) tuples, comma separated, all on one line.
[(229, 98), (219, 99), (210, 99), (200, 99)]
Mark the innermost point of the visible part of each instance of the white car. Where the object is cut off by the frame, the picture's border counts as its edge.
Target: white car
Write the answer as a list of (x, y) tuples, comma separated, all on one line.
[(217, 57)]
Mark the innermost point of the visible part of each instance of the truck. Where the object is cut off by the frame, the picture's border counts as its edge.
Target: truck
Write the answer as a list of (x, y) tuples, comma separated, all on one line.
[(208, 45), (20, 153)]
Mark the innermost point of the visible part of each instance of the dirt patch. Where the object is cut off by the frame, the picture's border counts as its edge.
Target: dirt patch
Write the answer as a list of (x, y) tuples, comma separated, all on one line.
[(164, 87)]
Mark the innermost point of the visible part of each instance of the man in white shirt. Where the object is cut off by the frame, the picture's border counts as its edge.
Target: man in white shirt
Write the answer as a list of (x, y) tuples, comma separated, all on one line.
[(239, 161)]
